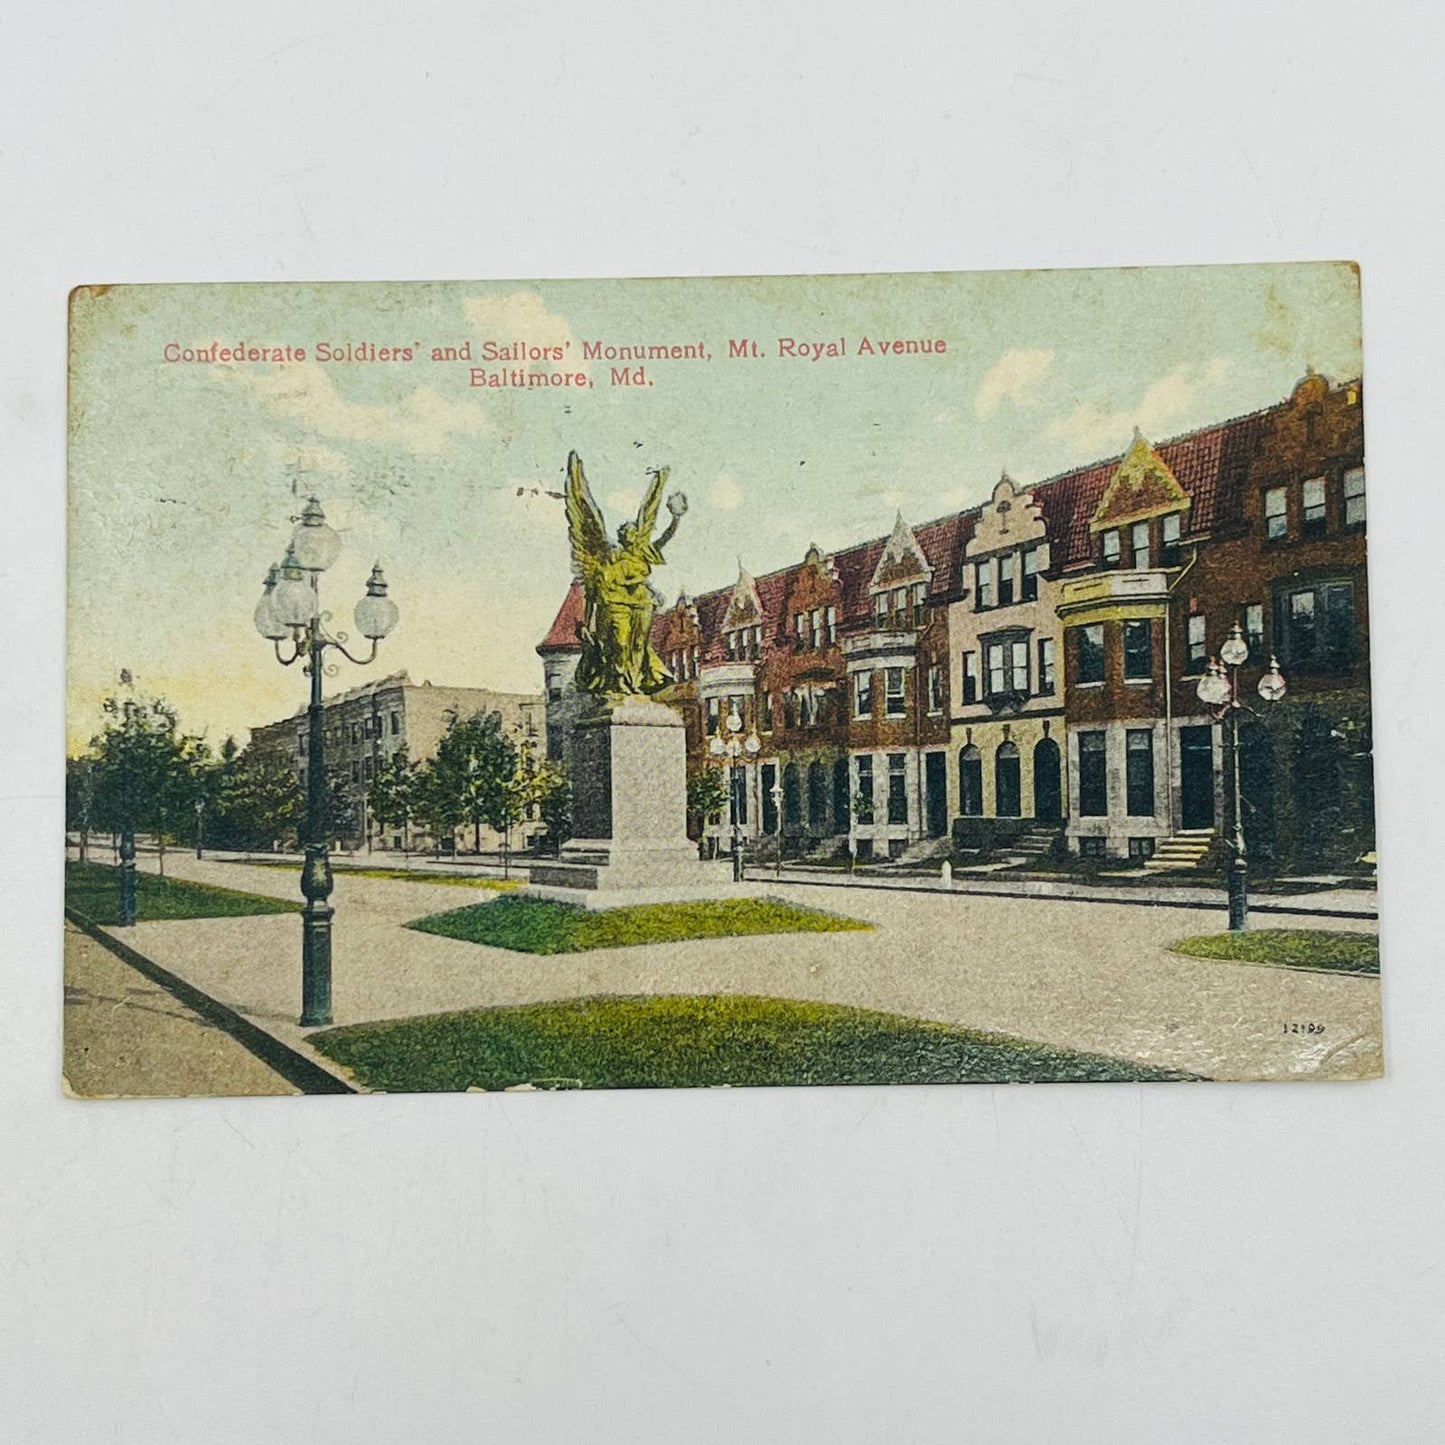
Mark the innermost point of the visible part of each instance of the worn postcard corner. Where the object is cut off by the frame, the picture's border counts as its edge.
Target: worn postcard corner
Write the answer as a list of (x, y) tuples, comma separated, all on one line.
[(797, 680)]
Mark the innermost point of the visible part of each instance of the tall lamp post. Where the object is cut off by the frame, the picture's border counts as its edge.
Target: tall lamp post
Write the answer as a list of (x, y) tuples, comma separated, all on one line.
[(290, 608), (1219, 689), (729, 744), (777, 791)]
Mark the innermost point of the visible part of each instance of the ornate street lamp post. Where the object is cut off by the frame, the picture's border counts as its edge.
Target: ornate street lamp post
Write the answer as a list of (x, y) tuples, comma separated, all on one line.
[(126, 851), (290, 607), (730, 744), (777, 792), (1219, 689), (200, 823)]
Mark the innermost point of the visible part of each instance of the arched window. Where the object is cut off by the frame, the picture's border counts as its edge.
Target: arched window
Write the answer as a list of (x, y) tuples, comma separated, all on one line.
[(1008, 802), (970, 782)]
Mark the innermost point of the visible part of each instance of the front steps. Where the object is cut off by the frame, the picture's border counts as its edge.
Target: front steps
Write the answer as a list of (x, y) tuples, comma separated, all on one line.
[(1182, 853)]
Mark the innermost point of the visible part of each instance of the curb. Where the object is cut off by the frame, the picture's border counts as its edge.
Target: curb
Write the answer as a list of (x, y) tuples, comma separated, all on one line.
[(306, 1074), (959, 890)]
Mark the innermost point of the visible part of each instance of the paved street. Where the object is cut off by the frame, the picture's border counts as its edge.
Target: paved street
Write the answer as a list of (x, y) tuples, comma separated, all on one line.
[(125, 1035), (1094, 976)]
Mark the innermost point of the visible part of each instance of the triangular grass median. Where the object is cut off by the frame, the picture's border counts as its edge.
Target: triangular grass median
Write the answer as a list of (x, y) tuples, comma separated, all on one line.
[(694, 1041), (93, 890), (532, 925), (1323, 950)]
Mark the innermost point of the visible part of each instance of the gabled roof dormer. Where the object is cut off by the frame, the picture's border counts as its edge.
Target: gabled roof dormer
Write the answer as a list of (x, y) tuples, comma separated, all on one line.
[(744, 608), (1142, 487), (1011, 517), (903, 560)]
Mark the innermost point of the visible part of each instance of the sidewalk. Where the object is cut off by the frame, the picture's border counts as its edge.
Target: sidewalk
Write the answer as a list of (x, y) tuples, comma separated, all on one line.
[(1099, 979), (1326, 903), (126, 1037)]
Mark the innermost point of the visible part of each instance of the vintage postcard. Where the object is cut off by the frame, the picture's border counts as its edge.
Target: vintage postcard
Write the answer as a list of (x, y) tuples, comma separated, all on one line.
[(739, 681)]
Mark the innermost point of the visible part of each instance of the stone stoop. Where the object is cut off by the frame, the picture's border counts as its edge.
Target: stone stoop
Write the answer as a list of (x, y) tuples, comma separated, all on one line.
[(1186, 850)]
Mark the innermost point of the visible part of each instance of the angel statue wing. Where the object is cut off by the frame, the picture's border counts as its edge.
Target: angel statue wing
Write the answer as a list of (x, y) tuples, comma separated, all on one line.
[(647, 512), (585, 528)]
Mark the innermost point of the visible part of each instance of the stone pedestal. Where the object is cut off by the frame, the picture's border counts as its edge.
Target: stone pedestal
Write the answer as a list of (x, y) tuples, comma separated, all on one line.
[(629, 813)]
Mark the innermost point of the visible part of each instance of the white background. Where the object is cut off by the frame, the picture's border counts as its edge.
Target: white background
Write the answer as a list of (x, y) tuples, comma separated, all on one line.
[(1175, 1264)]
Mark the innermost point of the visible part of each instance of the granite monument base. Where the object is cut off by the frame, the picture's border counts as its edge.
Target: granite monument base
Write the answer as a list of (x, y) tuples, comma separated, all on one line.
[(629, 811)]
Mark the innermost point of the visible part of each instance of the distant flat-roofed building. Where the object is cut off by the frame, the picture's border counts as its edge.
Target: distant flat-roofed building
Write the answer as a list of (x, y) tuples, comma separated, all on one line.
[(366, 725)]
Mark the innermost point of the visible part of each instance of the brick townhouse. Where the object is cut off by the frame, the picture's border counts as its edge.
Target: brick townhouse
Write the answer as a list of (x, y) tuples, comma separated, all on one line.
[(1024, 673)]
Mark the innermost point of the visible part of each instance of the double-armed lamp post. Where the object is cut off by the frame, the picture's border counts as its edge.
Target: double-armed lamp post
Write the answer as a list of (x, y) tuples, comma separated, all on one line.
[(730, 745), (1219, 689), (290, 609)]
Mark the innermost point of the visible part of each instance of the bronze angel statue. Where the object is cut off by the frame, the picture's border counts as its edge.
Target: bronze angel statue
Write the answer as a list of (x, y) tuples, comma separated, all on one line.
[(616, 635)]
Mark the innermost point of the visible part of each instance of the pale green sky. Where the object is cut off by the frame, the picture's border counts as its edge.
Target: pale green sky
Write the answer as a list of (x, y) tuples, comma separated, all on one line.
[(181, 475)]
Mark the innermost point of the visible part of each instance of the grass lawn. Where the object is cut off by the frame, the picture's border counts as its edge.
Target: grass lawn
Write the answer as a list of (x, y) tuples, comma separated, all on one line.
[(531, 925), (1315, 948), (93, 890), (693, 1041)]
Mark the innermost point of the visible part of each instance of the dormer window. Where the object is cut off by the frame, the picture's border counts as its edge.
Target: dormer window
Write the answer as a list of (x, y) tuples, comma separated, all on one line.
[(983, 591), (1314, 508), (1276, 513), (1169, 541), (1354, 489), (1111, 547), (1007, 565), (1030, 589), (1139, 542)]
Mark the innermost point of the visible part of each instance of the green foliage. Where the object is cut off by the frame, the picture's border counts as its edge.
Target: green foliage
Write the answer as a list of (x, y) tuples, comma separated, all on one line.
[(80, 796), (144, 772), (93, 891), (707, 793), (259, 801), (470, 779), (697, 1041), (392, 797), (529, 925), (1314, 948)]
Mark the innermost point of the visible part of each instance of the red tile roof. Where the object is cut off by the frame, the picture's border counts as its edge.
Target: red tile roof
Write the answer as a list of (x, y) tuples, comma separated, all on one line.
[(1210, 465), (562, 636)]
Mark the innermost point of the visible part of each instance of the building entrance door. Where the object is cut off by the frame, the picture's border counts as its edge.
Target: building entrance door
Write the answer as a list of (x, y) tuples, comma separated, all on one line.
[(935, 789), (1196, 777), (1048, 789)]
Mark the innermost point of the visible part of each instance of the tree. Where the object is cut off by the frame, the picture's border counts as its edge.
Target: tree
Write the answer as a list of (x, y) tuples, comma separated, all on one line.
[(554, 806), (469, 780), (144, 768), (539, 788), (259, 801), (707, 794), (394, 793), (80, 800)]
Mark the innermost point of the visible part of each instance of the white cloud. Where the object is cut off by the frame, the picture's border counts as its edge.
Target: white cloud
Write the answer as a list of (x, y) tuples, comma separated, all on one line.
[(522, 316), (726, 494), (423, 421), (1016, 376), (1167, 405), (623, 500)]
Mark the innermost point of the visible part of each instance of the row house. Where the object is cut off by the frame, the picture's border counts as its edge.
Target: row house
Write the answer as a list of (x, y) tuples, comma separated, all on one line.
[(1008, 708), (1024, 673), (1259, 522)]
